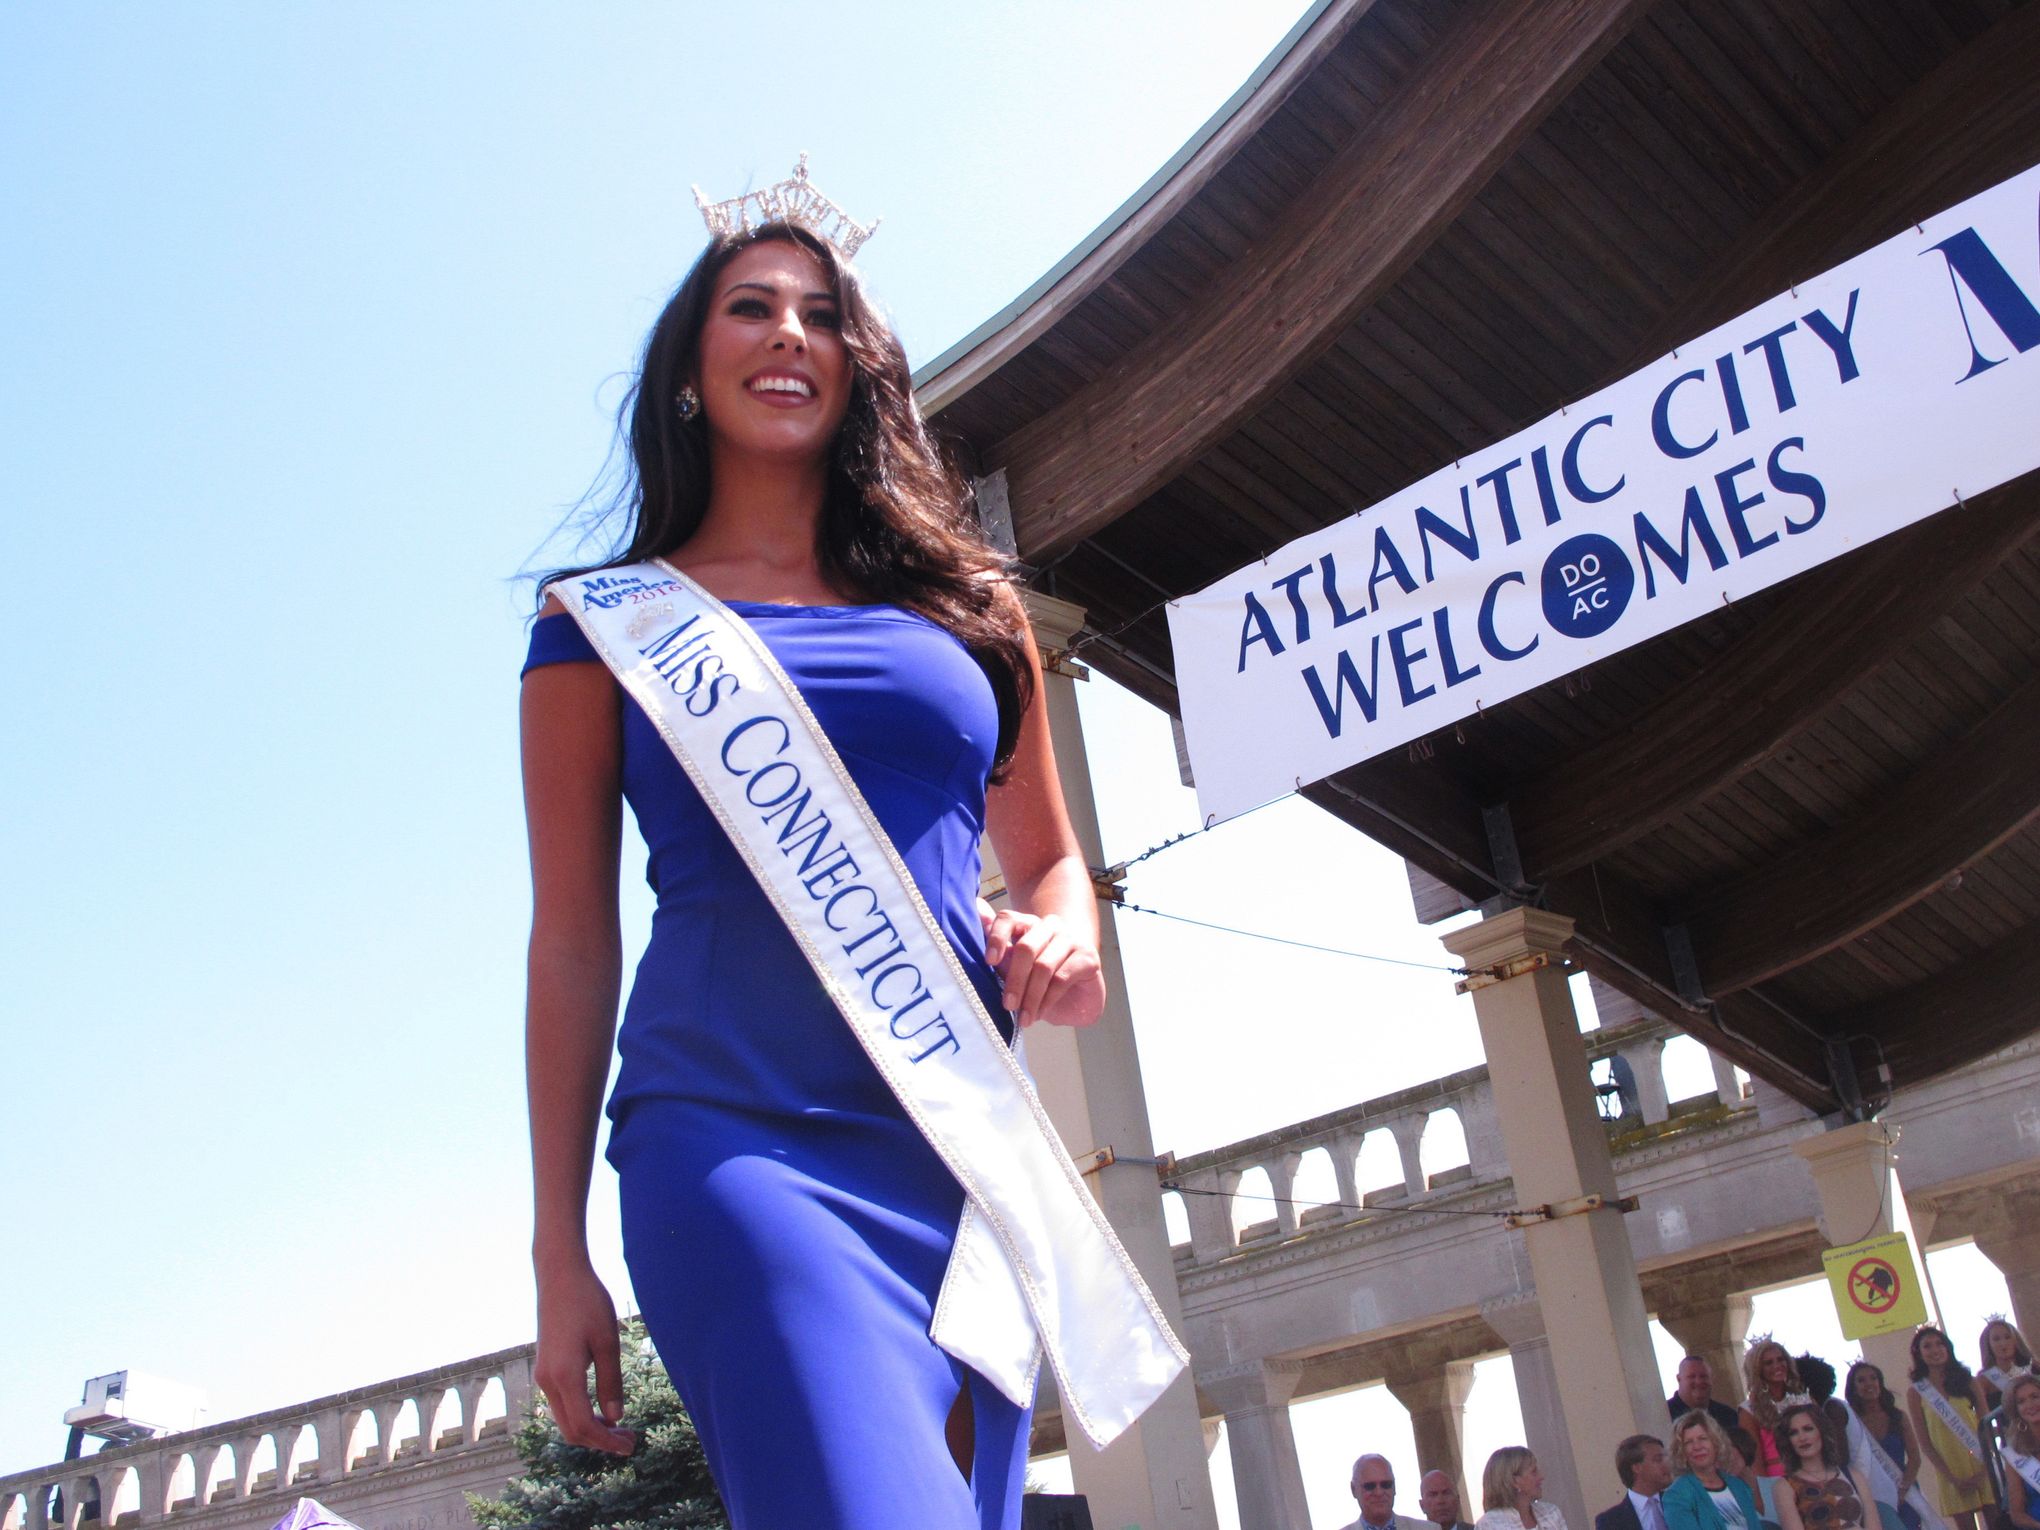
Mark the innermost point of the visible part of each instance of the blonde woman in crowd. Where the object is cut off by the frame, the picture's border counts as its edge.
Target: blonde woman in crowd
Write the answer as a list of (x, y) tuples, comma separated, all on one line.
[(2021, 1451), (1706, 1495), (1770, 1381), (1508, 1493)]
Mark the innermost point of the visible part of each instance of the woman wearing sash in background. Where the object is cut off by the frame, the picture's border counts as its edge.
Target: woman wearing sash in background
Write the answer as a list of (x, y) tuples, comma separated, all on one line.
[(1882, 1444), (1946, 1407), (1818, 1490), (2021, 1452), (1770, 1381), (2004, 1357), (786, 1225)]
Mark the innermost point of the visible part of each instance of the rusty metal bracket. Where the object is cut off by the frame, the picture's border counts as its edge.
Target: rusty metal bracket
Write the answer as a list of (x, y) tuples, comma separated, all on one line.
[(1106, 1156), (1552, 1211), (1110, 883), (1485, 977), (1057, 661)]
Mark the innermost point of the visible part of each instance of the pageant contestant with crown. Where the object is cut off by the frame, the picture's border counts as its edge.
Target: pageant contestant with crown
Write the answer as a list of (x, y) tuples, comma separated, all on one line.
[(851, 1229)]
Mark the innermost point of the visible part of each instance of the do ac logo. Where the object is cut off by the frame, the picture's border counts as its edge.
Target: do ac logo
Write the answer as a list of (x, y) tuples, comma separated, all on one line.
[(1586, 586)]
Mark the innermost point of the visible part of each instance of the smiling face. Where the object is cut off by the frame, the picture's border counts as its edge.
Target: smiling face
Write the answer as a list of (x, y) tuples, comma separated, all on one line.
[(1529, 1481), (2003, 1346), (1933, 1349), (1699, 1448), (1866, 1390), (2025, 1400), (772, 370), (1696, 1382), (1773, 1366)]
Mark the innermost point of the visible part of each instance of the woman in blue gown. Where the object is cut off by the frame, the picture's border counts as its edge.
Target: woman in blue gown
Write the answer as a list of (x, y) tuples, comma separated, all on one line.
[(786, 1226)]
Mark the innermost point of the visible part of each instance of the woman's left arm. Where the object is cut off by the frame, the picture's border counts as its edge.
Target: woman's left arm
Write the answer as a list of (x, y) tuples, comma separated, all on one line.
[(1045, 945)]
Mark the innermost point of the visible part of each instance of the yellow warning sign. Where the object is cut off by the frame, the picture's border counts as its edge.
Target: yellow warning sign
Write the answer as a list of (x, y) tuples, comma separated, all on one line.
[(1875, 1286)]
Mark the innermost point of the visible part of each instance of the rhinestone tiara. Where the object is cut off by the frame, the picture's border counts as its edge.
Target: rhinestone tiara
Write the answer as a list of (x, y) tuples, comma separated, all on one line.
[(793, 200)]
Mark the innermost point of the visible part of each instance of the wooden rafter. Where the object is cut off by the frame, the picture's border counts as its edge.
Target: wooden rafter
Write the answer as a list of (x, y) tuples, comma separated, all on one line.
[(1987, 998), (1969, 798), (1375, 208), (1842, 623)]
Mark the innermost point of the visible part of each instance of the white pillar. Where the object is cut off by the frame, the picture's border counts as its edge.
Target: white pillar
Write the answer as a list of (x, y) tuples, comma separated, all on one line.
[(1580, 1261), (1155, 1475), (1267, 1477), (1855, 1174), (1519, 1321)]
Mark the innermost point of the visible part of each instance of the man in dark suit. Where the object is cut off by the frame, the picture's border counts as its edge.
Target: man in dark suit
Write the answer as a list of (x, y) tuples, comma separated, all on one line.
[(1646, 1471), (1696, 1394)]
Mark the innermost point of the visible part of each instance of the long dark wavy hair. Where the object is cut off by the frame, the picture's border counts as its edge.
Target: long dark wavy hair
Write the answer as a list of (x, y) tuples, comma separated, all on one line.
[(1884, 1398), (1781, 1436), (896, 524), (1959, 1376)]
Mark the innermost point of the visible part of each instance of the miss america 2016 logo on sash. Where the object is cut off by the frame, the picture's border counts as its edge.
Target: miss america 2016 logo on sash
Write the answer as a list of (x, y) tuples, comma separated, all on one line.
[(1035, 1265)]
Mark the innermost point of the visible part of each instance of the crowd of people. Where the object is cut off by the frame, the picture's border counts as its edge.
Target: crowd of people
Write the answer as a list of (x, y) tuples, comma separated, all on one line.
[(1800, 1452)]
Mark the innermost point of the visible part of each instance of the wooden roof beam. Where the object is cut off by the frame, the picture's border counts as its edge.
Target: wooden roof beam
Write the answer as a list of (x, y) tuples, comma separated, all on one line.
[(1835, 627), (1375, 208), (1967, 799), (1988, 999), (1618, 935)]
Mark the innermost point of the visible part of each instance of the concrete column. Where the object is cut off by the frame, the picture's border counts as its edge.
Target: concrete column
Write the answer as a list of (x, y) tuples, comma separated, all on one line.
[(1408, 1132), (1585, 1276), (1155, 1474), (1855, 1174), (1726, 1087), (1267, 1477), (1519, 1321), (2017, 1257), (1436, 1403), (1646, 1061), (1712, 1325)]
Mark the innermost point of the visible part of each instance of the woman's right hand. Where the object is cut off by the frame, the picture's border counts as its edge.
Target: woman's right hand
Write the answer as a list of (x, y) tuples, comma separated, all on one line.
[(576, 1329)]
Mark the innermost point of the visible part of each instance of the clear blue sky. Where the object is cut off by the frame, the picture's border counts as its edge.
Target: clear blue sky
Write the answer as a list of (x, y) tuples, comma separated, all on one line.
[(314, 318)]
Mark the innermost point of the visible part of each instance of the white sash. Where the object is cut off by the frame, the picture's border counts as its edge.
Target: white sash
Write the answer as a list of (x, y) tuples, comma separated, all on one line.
[(2003, 1379), (1944, 1410), (1035, 1264), (1865, 1446), (2029, 1473)]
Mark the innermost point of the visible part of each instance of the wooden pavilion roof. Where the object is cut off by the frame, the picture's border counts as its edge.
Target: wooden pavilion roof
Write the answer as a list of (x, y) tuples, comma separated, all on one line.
[(1804, 827)]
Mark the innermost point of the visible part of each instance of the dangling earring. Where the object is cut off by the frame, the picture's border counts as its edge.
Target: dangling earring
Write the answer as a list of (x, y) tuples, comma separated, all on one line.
[(688, 402)]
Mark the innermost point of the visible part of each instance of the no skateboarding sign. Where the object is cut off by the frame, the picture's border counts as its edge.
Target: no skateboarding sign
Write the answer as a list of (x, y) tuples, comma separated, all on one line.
[(1875, 1286)]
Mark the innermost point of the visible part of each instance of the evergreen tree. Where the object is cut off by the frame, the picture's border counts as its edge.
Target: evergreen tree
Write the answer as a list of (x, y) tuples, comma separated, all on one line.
[(665, 1486)]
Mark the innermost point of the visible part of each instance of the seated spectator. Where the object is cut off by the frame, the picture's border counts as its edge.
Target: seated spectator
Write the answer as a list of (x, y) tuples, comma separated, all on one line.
[(2021, 1451), (1438, 1497), (1508, 1494), (1817, 1492), (1646, 1471), (1374, 1490), (1704, 1494), (1695, 1393)]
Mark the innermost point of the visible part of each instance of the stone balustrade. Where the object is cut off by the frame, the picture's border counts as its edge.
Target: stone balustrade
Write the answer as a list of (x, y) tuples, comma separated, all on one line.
[(1209, 1181), (316, 1448)]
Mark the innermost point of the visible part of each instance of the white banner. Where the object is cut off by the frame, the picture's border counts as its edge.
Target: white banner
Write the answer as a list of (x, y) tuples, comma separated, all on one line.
[(1892, 387)]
